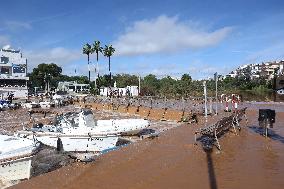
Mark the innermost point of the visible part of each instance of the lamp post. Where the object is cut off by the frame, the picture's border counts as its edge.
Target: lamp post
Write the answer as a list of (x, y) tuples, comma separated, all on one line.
[(205, 99), (139, 84), (216, 85)]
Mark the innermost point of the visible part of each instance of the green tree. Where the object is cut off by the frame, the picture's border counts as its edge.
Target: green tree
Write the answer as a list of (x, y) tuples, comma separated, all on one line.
[(45, 73), (167, 87), (150, 85), (184, 86), (87, 49), (123, 80), (104, 81), (97, 49), (108, 52)]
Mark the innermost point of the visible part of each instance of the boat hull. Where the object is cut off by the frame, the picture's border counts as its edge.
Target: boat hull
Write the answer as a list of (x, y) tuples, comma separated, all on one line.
[(15, 157), (77, 143), (120, 126), (17, 169)]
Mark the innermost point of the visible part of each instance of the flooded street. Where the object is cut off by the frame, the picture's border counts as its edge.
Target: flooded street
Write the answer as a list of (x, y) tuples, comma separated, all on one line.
[(247, 160), (251, 160)]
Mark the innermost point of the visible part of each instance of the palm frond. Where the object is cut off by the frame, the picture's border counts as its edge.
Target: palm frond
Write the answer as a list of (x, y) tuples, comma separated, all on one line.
[(87, 49)]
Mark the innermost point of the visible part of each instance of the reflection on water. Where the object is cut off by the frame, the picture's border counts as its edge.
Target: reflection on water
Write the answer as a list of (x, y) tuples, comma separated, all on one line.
[(271, 158), (262, 96), (271, 134)]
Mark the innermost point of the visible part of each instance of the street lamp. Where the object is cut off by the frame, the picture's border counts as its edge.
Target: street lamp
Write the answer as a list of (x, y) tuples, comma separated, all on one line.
[(216, 85), (205, 99)]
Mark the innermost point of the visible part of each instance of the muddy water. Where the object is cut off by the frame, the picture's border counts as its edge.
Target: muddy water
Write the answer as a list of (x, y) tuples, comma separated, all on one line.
[(247, 160), (251, 160)]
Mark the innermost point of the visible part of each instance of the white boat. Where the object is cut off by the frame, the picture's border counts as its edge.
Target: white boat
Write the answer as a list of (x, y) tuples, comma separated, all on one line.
[(74, 143), (45, 104), (84, 122), (15, 157), (80, 132), (280, 91), (31, 105)]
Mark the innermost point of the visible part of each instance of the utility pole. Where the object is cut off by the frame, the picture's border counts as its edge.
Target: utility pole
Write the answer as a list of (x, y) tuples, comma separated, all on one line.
[(205, 99), (216, 82), (45, 78), (139, 84)]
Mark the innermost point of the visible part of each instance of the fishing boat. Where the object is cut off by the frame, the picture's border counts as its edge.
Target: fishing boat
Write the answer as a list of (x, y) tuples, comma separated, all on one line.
[(15, 157)]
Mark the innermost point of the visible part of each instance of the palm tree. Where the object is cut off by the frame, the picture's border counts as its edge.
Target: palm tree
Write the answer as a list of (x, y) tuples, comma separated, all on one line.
[(97, 48), (87, 49), (108, 52)]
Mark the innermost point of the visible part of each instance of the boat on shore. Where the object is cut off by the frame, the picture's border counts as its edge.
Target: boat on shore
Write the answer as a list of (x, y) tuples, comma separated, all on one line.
[(30, 105), (79, 143), (84, 122), (280, 91), (15, 157), (80, 132)]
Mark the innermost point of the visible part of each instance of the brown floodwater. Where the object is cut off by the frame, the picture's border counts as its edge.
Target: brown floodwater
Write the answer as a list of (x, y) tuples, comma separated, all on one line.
[(247, 160)]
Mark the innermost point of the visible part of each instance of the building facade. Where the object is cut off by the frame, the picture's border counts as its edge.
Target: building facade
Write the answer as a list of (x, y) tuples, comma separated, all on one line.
[(13, 73), (267, 70), (115, 91), (72, 87)]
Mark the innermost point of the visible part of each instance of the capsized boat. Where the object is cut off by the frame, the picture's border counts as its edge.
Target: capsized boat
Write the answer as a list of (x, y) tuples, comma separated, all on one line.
[(15, 157)]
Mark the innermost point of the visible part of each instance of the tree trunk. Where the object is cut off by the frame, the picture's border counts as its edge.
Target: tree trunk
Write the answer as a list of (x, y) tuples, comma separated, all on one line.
[(97, 68), (109, 79), (89, 68), (109, 71), (109, 63)]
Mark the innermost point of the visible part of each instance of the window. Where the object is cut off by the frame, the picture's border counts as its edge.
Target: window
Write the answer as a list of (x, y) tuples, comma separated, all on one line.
[(18, 69), (4, 70), (4, 60)]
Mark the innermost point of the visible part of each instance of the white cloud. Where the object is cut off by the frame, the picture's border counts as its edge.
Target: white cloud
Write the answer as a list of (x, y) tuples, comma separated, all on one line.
[(59, 55), (165, 34), (4, 40)]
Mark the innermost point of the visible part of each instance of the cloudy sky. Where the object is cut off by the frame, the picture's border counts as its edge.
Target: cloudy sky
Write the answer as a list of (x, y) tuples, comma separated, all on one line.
[(166, 37)]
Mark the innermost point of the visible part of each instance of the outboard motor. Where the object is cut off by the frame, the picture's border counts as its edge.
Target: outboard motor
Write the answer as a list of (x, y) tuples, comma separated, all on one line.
[(266, 119)]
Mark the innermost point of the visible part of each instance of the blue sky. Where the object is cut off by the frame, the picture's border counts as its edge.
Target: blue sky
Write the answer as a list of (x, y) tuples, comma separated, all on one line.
[(168, 37)]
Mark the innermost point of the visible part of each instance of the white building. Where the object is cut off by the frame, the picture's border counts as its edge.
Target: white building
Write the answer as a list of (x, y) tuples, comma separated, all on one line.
[(232, 74), (127, 91), (72, 87), (13, 73)]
